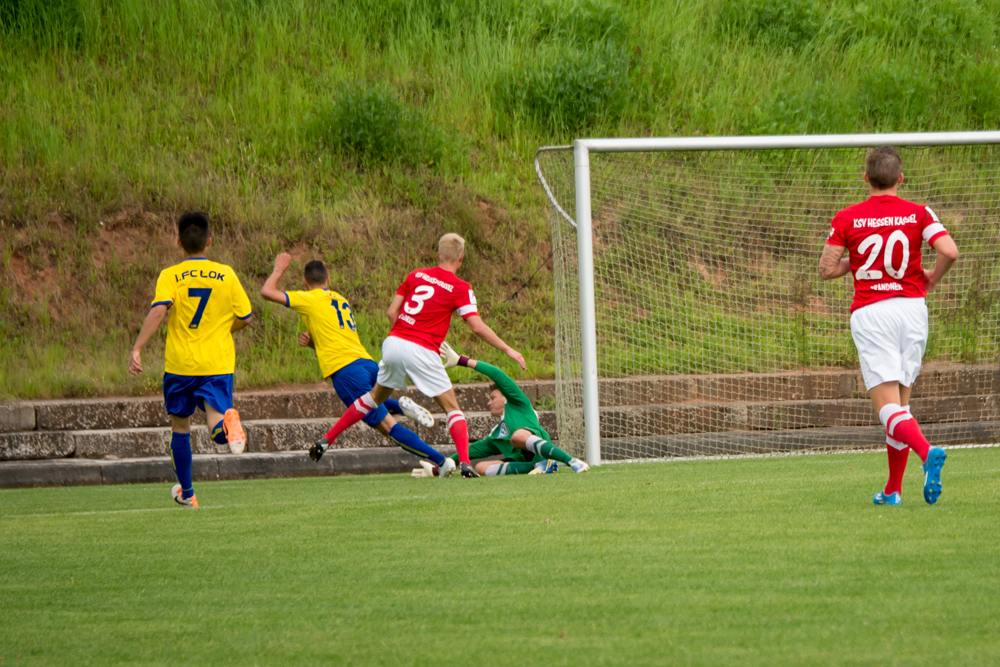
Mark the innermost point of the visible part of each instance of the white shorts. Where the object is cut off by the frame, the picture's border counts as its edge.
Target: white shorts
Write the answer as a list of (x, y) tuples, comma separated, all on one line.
[(891, 337), (402, 357)]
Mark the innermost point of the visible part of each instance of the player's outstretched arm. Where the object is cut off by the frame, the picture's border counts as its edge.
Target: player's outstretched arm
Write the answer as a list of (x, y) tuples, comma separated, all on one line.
[(483, 330), (507, 387), (149, 327), (270, 289), (833, 264), (947, 254)]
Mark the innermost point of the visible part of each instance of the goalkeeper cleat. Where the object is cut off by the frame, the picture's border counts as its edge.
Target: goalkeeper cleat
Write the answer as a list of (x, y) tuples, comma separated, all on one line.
[(234, 431), (467, 470), (317, 450), (887, 498), (447, 468), (179, 498), (546, 467), (418, 414), (932, 474), (579, 466)]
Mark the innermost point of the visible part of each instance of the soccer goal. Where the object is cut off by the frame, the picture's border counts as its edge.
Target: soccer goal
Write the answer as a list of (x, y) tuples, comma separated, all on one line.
[(690, 318)]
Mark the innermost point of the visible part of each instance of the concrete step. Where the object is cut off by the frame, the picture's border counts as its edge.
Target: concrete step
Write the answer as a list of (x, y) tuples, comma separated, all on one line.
[(788, 415), (212, 467), (148, 411), (642, 421), (275, 435), (319, 401)]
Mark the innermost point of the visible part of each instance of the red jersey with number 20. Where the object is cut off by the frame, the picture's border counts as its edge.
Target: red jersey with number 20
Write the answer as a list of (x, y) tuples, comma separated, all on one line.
[(883, 236), (430, 296)]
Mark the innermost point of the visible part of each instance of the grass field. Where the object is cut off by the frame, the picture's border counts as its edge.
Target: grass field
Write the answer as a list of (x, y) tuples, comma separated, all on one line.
[(752, 562)]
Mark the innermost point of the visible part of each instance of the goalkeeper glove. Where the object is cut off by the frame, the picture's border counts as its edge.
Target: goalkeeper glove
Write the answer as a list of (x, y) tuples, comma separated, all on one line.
[(449, 357)]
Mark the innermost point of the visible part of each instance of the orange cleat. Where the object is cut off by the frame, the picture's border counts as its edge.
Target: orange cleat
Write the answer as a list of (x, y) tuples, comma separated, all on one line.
[(175, 493), (234, 431)]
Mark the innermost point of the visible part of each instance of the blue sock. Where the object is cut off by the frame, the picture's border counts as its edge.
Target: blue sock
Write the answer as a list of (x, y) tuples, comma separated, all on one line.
[(219, 434), (392, 405), (180, 453), (412, 443)]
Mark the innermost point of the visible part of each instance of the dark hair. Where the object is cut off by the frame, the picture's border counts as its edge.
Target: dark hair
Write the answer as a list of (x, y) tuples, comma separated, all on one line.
[(883, 167), (316, 273), (192, 229)]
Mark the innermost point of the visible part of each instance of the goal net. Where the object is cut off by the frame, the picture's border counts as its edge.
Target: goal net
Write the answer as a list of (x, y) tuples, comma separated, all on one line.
[(713, 334)]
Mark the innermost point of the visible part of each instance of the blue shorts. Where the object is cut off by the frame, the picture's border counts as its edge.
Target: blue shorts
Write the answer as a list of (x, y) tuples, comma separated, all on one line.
[(182, 393), (354, 381)]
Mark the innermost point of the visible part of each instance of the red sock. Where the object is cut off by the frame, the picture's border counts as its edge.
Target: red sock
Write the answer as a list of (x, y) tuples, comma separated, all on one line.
[(903, 427), (357, 411), (459, 434), (897, 466)]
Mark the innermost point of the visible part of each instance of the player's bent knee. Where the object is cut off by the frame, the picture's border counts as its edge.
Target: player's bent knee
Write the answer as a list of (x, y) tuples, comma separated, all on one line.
[(519, 437), (483, 466)]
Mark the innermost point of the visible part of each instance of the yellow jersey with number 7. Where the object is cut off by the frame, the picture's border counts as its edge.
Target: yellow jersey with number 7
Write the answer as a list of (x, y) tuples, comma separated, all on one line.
[(204, 298), (330, 321)]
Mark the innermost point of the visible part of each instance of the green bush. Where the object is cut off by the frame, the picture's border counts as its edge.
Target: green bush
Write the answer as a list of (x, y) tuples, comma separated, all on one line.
[(563, 89), (813, 110), (49, 22), (896, 97), (384, 19), (939, 29), (978, 86), (778, 23), (581, 22), (369, 123)]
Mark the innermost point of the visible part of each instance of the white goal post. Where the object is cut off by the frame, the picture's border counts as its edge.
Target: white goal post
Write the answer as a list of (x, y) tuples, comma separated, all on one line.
[(741, 218)]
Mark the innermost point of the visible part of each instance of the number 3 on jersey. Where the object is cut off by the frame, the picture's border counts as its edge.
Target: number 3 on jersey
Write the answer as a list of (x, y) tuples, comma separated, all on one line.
[(420, 294), (874, 244)]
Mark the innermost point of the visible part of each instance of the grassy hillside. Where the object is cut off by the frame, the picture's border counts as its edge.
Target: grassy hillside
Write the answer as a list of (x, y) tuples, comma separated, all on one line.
[(361, 130)]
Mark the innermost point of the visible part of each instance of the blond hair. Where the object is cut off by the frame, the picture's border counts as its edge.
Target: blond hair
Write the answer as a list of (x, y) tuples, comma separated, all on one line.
[(451, 248)]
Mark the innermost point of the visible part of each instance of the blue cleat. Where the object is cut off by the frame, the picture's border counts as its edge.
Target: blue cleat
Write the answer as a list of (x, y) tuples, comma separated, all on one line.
[(890, 499), (546, 467), (932, 474)]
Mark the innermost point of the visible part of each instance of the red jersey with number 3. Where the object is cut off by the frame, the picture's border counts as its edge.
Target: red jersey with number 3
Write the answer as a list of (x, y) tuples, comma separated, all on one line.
[(883, 236), (430, 296)]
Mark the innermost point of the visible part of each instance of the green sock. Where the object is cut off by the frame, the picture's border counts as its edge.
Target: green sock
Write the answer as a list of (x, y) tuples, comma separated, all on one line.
[(547, 450)]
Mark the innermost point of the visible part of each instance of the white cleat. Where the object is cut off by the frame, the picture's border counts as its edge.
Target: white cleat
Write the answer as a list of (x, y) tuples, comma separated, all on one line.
[(446, 469), (179, 498), (418, 414), (579, 466)]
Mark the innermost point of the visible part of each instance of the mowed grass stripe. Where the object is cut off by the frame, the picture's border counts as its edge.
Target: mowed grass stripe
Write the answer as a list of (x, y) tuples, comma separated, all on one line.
[(761, 561)]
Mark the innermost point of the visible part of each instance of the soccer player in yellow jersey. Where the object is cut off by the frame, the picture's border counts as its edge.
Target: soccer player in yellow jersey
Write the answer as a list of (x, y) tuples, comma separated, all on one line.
[(331, 331), (207, 304)]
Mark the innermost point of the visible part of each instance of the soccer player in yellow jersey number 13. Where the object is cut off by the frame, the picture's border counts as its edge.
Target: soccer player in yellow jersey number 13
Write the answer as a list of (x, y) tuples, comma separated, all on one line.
[(332, 332), (207, 304)]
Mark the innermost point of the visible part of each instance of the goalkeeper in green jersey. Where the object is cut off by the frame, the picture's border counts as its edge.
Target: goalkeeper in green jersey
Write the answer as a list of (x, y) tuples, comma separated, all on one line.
[(525, 446)]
